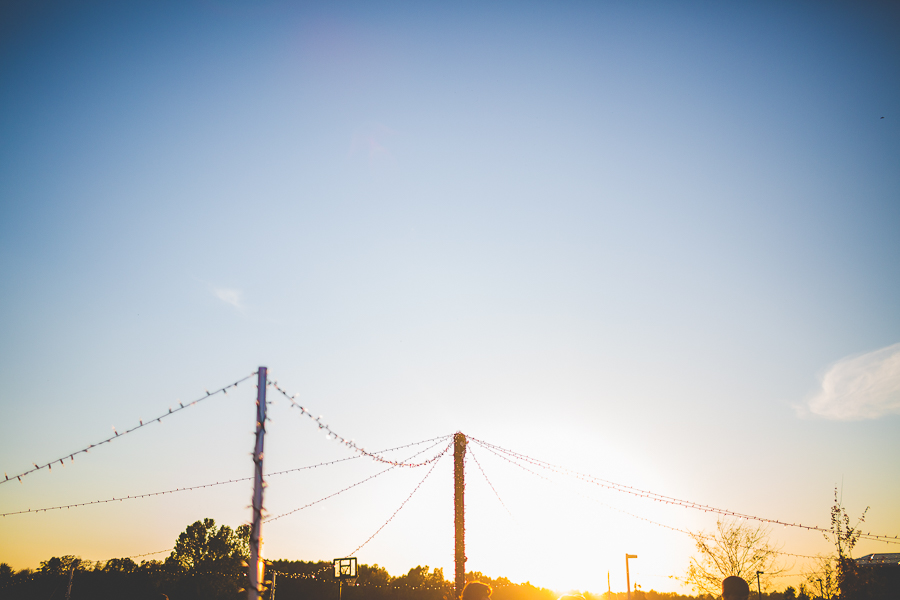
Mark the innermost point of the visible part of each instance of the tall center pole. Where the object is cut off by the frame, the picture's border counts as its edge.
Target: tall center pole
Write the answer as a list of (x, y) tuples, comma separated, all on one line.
[(459, 509), (256, 566)]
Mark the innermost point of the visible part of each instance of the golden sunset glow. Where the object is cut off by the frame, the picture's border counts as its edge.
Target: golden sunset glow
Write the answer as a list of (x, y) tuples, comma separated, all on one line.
[(640, 260)]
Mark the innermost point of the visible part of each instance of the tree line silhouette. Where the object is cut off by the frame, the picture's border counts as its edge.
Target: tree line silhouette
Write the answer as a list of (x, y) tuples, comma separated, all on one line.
[(210, 563)]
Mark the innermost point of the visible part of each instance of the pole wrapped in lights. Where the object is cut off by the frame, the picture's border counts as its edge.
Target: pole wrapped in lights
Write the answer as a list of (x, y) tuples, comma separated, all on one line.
[(459, 512)]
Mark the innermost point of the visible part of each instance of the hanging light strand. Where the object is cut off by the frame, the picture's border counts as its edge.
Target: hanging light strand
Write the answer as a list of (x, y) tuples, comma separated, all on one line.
[(149, 553), (391, 518), (122, 498), (625, 512), (439, 438), (588, 496), (349, 487), (668, 499), (332, 435), (480, 468), (141, 423), (214, 484)]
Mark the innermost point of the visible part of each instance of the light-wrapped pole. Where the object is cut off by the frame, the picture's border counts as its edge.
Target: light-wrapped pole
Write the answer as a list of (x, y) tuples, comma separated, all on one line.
[(459, 512), (256, 566)]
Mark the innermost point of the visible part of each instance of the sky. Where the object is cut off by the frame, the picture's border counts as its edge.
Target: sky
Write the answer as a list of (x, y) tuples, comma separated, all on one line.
[(652, 242)]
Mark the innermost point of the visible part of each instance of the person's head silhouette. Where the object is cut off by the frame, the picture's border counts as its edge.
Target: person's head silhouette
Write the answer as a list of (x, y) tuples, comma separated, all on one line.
[(475, 590), (735, 588)]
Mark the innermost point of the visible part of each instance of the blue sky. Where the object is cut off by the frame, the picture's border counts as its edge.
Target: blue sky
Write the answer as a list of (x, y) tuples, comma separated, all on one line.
[(634, 238)]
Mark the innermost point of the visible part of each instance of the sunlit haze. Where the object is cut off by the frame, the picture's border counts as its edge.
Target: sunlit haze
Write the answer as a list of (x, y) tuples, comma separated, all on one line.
[(656, 243)]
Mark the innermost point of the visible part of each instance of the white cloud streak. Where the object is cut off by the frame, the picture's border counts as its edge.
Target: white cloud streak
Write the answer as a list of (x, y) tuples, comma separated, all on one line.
[(229, 296), (860, 387)]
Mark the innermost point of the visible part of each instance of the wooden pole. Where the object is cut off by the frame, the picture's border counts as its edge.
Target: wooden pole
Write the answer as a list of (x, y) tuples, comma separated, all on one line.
[(459, 512), (256, 566)]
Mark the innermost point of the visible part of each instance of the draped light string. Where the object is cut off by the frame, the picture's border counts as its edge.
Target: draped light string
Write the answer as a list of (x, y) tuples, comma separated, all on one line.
[(148, 553), (359, 584), (591, 498), (122, 498), (270, 519), (141, 423), (439, 438), (332, 435), (586, 495), (480, 468), (214, 484), (411, 494), (668, 499)]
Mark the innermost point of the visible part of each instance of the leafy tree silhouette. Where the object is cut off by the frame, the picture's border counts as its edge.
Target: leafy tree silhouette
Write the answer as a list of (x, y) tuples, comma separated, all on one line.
[(208, 561), (203, 549), (120, 565)]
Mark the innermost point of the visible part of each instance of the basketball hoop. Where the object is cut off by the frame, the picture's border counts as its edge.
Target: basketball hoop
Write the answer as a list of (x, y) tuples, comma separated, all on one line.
[(345, 572)]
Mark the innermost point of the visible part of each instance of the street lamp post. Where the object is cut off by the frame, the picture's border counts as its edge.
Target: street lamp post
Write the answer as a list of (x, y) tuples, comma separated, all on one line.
[(758, 588), (628, 574)]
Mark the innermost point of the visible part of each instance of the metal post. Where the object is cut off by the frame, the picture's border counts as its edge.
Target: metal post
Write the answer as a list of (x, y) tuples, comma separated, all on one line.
[(758, 588), (256, 566), (274, 575), (71, 575), (459, 506), (628, 574)]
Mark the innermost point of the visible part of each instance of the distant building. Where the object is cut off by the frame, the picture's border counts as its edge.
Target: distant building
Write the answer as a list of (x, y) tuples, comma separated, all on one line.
[(879, 560), (878, 576)]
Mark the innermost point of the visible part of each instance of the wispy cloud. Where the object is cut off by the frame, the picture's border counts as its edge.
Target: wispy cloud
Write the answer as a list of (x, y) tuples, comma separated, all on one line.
[(860, 387), (371, 142), (229, 296)]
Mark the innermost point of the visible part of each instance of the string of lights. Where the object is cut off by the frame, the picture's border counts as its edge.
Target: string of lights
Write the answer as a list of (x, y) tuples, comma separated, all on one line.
[(270, 519), (327, 568), (141, 423), (214, 484), (411, 494), (583, 494), (150, 553), (359, 584), (332, 435), (122, 498), (668, 499), (439, 439), (625, 512), (480, 468)]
